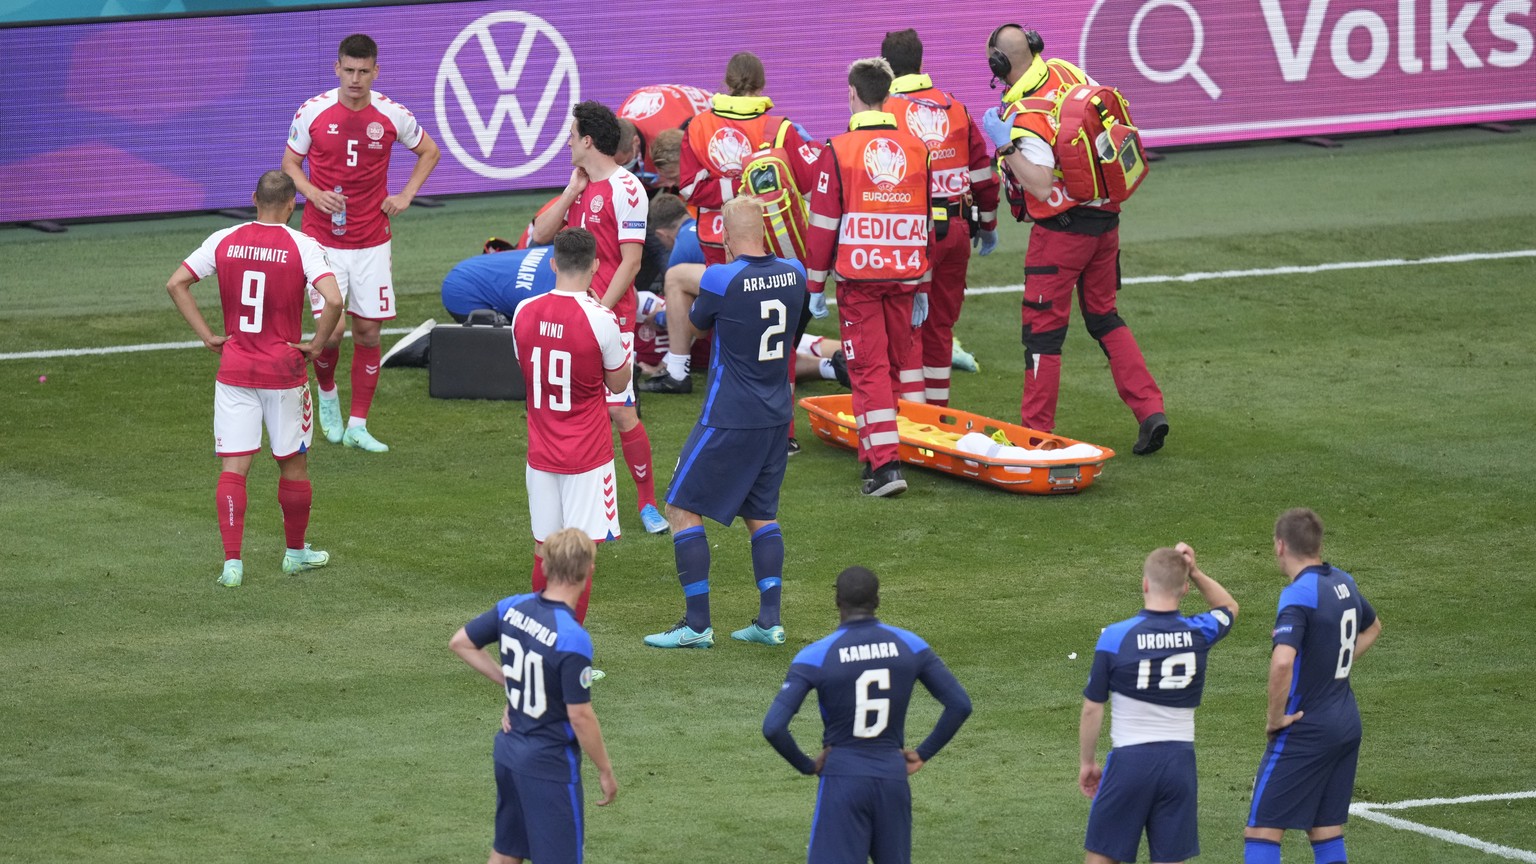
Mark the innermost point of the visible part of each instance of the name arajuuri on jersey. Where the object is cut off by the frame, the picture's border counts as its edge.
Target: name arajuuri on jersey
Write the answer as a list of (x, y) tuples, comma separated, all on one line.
[(765, 283)]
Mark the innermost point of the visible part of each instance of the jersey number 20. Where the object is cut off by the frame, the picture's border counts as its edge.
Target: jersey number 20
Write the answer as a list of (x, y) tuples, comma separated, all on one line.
[(525, 668)]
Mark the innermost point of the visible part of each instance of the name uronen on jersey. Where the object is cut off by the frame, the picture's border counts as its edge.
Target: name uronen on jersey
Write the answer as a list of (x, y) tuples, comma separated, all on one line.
[(765, 283), (552, 329), (1157, 641), (867, 651), (544, 635), (256, 253)]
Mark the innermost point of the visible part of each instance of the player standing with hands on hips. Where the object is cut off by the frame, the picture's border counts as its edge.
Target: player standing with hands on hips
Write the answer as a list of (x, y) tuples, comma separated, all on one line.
[(347, 134), (1151, 669), (734, 459), (1072, 244), (864, 675), (1307, 774), (264, 268), (546, 667)]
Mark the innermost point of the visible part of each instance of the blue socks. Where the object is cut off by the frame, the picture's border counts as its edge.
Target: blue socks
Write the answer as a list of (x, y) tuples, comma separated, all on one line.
[(690, 548), (768, 569), (1330, 851), (1260, 851)]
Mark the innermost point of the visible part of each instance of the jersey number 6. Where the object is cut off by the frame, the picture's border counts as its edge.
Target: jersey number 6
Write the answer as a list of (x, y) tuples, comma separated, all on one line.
[(865, 726)]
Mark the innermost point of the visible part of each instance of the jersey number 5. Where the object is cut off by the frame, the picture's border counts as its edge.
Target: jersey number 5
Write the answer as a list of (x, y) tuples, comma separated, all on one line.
[(525, 668), (864, 725), (557, 377)]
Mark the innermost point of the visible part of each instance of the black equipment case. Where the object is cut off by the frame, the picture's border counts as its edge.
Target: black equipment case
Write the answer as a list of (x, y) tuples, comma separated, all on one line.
[(475, 360)]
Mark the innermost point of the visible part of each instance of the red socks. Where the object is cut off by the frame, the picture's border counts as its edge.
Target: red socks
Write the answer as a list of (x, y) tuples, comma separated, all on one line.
[(365, 378), (637, 455), (325, 368), (294, 497), (538, 573), (229, 498)]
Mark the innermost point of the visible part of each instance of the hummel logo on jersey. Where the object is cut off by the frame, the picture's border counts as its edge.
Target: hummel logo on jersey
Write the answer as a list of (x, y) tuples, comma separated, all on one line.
[(332, 130), (510, 44)]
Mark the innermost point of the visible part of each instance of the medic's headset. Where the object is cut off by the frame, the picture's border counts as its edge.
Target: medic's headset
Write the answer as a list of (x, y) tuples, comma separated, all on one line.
[(998, 62)]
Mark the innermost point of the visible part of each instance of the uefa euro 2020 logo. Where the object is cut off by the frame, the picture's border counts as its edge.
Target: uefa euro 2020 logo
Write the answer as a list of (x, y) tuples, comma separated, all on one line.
[(642, 104), (928, 122), (728, 150), (885, 162)]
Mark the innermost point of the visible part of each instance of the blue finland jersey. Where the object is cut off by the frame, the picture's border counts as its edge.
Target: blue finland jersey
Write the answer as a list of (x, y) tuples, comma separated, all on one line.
[(686, 249), (547, 659), (753, 304), (1156, 657), (499, 280), (863, 675), (1321, 614)]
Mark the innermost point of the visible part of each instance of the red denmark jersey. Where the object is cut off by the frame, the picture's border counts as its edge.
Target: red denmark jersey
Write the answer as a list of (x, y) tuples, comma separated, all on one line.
[(870, 214), (958, 153), (351, 149), (264, 276), (565, 342), (615, 211), (660, 107)]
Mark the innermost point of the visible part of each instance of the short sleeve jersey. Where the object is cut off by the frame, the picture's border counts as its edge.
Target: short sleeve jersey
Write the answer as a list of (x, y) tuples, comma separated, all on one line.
[(686, 250), (547, 660), (615, 211), (1321, 613), (264, 276), (863, 675), (753, 304), (499, 281), (1153, 665), (565, 342), (350, 149)]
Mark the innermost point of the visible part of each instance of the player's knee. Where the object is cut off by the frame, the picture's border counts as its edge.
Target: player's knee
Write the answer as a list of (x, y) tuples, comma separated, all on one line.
[(1046, 342), (1100, 326)]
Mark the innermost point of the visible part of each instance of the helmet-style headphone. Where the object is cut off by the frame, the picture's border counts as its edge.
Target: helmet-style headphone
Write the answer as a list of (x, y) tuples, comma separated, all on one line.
[(998, 62)]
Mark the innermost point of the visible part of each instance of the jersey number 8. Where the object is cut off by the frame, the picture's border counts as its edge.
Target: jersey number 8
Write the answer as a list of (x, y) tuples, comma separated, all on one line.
[(525, 668)]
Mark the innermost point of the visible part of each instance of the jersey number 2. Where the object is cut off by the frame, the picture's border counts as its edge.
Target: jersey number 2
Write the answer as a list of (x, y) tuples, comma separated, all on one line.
[(253, 293), (864, 725), (557, 377), (525, 668), (767, 350)]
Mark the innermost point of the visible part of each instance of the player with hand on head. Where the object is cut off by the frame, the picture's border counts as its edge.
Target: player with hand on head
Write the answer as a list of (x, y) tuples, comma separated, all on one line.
[(264, 269), (962, 174), (871, 224), (864, 674), (1151, 669), (733, 461), (1074, 246), (609, 201), (1307, 774), (545, 666), (572, 356), (347, 134)]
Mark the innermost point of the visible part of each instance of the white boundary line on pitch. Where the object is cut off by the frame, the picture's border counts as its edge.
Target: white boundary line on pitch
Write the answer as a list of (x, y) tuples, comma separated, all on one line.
[(1372, 813), (991, 289)]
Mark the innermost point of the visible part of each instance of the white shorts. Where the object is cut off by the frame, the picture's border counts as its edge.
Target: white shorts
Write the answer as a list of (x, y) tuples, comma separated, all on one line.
[(240, 412), (363, 275), (627, 339), (588, 502)]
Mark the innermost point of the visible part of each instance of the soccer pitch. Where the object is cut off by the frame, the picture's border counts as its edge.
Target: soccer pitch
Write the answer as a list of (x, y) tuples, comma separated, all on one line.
[(151, 716)]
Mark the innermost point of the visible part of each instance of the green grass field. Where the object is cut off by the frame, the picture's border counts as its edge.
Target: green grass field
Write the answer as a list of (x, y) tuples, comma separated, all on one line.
[(149, 715)]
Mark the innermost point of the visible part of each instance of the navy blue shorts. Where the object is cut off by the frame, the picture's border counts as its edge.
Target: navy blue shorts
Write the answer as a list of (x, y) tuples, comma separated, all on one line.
[(1304, 784), (859, 818), (538, 819), (1146, 787), (725, 473)]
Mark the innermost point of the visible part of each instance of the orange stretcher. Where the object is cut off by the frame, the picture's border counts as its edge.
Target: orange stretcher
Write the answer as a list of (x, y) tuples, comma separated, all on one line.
[(929, 433)]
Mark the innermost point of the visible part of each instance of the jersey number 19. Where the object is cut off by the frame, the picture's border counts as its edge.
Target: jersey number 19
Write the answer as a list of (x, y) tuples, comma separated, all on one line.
[(556, 377)]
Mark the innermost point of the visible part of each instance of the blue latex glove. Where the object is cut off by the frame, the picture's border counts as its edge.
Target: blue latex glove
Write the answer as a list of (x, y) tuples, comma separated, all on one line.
[(998, 129), (985, 241), (661, 317), (818, 305), (919, 308)]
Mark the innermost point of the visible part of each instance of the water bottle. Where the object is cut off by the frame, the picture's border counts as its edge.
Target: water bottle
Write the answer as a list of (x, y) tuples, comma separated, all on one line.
[(339, 218)]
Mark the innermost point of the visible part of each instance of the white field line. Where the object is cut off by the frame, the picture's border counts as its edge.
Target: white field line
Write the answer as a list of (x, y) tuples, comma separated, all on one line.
[(990, 289), (1372, 812)]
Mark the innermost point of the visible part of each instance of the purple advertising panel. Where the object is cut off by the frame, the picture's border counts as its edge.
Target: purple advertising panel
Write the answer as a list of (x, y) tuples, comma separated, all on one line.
[(183, 114)]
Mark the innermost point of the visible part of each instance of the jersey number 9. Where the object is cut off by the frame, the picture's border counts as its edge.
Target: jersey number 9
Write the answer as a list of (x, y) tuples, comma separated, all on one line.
[(253, 293)]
